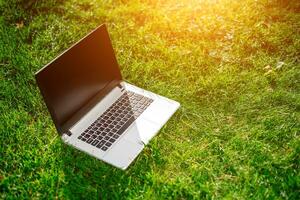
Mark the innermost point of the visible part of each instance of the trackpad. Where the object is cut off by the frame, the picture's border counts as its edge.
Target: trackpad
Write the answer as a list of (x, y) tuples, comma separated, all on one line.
[(123, 153), (141, 131)]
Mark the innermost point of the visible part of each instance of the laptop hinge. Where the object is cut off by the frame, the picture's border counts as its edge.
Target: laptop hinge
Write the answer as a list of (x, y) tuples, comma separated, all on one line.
[(121, 87)]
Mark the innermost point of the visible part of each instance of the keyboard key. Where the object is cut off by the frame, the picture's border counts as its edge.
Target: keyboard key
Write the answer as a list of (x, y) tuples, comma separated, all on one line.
[(89, 140), (92, 131), (116, 136), (99, 137), (111, 126), (128, 115), (114, 111), (104, 148), (112, 140), (100, 144), (95, 142), (139, 97), (105, 125), (114, 130), (141, 110), (98, 132), (108, 144), (110, 134), (118, 126)]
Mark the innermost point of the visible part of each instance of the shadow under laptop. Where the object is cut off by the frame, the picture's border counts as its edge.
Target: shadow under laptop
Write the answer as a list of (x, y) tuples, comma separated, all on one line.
[(86, 177)]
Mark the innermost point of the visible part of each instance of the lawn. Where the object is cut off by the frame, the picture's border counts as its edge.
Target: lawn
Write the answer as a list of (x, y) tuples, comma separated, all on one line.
[(234, 65)]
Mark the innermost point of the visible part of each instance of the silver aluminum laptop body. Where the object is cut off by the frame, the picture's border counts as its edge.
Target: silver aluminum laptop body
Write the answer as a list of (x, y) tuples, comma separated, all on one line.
[(70, 88)]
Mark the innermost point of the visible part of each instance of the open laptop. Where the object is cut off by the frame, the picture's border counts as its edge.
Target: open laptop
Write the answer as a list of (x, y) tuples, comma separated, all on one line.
[(93, 109)]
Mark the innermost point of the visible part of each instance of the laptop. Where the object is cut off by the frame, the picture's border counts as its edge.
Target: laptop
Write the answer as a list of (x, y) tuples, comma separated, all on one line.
[(94, 110)]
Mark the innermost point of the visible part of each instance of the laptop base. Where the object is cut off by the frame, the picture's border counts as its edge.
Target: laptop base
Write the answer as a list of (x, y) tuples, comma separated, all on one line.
[(122, 152)]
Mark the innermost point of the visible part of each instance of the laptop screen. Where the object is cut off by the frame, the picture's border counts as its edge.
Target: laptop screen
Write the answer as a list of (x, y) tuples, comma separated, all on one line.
[(79, 74)]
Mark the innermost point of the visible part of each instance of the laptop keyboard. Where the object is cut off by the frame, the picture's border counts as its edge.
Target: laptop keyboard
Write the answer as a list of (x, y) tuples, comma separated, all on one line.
[(115, 120)]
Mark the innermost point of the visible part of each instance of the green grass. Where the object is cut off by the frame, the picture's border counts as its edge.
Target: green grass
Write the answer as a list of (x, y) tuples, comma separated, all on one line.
[(233, 65)]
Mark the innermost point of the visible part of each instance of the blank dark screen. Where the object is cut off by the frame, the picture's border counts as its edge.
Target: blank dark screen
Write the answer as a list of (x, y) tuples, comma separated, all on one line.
[(76, 76)]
